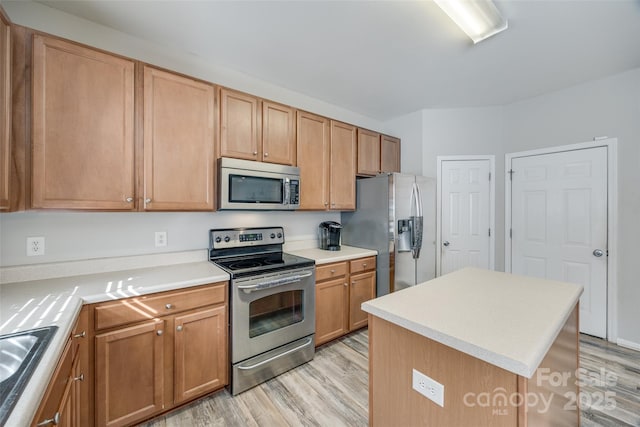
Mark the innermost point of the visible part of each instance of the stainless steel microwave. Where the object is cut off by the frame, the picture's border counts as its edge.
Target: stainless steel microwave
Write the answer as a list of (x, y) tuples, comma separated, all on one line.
[(250, 185)]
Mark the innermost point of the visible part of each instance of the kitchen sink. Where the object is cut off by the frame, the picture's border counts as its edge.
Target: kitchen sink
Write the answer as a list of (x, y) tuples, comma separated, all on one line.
[(19, 356)]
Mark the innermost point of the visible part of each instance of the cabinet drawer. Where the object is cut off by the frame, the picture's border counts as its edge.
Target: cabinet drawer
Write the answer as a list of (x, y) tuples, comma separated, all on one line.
[(363, 264), (152, 306), (331, 271)]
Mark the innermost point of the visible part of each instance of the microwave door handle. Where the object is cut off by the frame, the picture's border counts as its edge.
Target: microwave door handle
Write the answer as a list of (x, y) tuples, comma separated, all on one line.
[(286, 191)]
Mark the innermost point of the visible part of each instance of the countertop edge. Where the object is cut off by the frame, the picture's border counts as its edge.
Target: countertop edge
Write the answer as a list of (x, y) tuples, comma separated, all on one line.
[(525, 369)]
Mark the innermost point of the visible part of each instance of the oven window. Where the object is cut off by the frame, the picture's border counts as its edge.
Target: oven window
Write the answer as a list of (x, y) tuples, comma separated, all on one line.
[(275, 312), (253, 189)]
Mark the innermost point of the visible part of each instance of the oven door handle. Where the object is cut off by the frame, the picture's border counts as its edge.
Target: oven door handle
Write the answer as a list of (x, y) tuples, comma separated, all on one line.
[(256, 365), (274, 283)]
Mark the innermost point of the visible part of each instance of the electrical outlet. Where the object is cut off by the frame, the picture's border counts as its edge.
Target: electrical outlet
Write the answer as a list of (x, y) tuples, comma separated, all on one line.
[(35, 246), (428, 387), (161, 239)]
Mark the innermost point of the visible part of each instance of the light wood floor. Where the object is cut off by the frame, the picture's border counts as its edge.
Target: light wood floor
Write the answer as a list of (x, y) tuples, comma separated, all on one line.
[(331, 390)]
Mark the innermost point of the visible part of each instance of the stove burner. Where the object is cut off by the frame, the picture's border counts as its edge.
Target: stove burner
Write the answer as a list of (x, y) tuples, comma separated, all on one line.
[(274, 261), (244, 264)]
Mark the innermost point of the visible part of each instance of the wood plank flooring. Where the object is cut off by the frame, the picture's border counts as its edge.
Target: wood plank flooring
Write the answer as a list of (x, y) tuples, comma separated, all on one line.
[(332, 390)]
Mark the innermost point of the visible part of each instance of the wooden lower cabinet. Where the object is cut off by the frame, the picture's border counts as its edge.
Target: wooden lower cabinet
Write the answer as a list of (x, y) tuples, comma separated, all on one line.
[(340, 290), (129, 373), (65, 400), (145, 367)]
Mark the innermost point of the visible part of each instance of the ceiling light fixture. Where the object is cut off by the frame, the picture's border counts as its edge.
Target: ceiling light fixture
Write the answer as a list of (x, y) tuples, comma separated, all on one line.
[(480, 19)]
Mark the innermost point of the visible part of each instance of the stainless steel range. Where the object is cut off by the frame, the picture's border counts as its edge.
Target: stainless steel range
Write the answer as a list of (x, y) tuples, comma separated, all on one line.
[(272, 303)]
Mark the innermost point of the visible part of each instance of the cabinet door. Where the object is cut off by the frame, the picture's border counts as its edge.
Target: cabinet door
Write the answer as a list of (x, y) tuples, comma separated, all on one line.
[(239, 126), (128, 371), (278, 134), (368, 152), (389, 154), (83, 146), (332, 307), (200, 361), (313, 142), (82, 374), (363, 288), (178, 142), (343, 166), (56, 400), (5, 112)]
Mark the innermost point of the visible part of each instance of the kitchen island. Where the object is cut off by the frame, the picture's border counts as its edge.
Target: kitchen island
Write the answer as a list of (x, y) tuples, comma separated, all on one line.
[(504, 348)]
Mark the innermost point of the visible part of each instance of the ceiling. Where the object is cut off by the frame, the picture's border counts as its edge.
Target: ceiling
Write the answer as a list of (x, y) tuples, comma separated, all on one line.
[(384, 59)]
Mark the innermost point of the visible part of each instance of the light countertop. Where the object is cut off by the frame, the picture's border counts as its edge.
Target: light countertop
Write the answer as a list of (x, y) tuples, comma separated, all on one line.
[(507, 320), (33, 304), (345, 253), (57, 301)]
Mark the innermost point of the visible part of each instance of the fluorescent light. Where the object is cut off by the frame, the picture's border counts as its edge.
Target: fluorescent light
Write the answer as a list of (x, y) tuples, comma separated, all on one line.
[(478, 18)]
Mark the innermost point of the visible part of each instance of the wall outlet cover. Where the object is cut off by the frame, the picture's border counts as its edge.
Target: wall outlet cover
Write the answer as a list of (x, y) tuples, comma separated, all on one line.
[(161, 239), (35, 246), (428, 387)]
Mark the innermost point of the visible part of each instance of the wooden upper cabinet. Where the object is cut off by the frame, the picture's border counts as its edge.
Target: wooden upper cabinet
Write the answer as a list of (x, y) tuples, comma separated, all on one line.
[(313, 152), (343, 166), (83, 128), (178, 142), (239, 126), (389, 154), (5, 111), (368, 152), (278, 134)]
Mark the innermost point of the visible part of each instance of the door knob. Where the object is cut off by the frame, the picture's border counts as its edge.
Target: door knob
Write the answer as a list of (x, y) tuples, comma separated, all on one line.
[(446, 243), (598, 253)]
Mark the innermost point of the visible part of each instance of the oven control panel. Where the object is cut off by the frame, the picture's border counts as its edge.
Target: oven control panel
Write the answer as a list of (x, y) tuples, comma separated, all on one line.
[(244, 237)]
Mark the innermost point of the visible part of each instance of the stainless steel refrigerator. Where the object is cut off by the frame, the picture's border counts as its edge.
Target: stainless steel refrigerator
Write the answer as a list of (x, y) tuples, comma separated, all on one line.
[(395, 215)]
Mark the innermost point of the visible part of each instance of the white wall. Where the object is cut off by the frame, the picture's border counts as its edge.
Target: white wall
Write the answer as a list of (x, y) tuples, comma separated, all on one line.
[(77, 235), (610, 106), (409, 129)]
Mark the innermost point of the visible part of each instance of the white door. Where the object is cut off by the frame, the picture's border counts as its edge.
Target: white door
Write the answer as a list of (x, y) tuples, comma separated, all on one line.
[(559, 225), (466, 214)]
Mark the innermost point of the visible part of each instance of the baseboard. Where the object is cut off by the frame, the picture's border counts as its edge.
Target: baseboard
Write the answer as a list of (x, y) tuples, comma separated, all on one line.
[(628, 344)]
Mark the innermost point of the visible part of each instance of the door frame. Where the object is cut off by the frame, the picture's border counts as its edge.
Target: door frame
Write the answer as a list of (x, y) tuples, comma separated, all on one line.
[(612, 217), (492, 205)]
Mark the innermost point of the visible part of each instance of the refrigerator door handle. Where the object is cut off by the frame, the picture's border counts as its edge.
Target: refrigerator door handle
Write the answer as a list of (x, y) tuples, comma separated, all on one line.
[(417, 222)]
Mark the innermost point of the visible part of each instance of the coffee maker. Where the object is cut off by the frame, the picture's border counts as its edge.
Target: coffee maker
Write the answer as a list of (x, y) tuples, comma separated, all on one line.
[(329, 235)]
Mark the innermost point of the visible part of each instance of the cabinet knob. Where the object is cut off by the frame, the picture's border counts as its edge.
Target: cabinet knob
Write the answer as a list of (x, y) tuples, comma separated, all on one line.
[(346, 284), (266, 154), (255, 153), (333, 271), (53, 421), (159, 332), (79, 378), (129, 199), (81, 334), (147, 200), (168, 306), (326, 204), (179, 328), (364, 265)]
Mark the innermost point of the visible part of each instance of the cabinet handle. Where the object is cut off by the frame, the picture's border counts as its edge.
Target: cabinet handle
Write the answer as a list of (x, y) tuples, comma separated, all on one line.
[(160, 332), (54, 421), (81, 334), (179, 328), (129, 200), (168, 306), (147, 200), (80, 378)]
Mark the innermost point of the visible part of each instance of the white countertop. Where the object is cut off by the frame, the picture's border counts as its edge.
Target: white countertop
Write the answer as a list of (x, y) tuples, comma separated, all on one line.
[(32, 304), (345, 253), (29, 304), (507, 320)]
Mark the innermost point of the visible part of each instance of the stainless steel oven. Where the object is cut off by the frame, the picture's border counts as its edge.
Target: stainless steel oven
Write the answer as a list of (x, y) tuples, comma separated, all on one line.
[(272, 303), (250, 185)]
